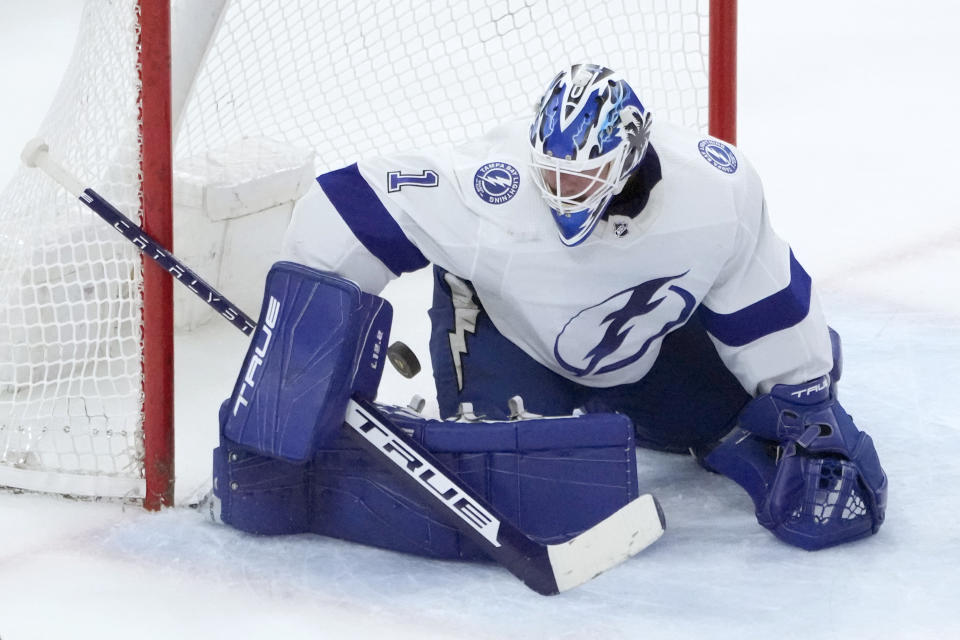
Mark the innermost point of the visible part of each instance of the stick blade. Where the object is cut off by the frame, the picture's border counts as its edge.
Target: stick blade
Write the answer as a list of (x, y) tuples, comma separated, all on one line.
[(630, 530)]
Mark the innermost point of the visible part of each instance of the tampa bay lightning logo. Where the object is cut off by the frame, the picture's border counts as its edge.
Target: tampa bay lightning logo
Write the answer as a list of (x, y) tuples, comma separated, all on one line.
[(619, 317), (719, 155), (496, 182)]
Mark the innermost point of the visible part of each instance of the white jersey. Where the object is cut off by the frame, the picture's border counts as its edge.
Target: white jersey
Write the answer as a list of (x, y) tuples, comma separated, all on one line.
[(595, 313)]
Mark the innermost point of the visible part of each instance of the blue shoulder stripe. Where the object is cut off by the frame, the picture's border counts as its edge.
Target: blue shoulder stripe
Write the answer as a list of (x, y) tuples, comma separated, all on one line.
[(368, 219), (779, 311)]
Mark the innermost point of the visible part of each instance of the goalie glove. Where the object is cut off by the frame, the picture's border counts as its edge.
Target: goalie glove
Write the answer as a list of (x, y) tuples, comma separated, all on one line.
[(815, 479)]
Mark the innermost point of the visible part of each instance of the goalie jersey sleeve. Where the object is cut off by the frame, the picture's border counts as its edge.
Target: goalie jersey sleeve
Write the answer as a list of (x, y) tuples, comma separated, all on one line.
[(763, 313), (318, 237), (354, 222)]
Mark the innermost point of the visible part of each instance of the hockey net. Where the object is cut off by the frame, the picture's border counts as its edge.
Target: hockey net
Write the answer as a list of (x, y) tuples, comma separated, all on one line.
[(340, 78)]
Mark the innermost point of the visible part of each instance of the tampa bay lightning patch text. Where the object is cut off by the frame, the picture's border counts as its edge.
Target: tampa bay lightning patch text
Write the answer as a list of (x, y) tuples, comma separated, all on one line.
[(496, 182), (719, 155)]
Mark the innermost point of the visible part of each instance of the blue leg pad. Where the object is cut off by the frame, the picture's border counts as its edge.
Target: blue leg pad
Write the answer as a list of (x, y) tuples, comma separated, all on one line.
[(319, 341), (553, 478), (258, 494)]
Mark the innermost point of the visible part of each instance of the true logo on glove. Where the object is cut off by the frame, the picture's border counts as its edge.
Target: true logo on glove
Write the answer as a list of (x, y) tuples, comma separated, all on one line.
[(820, 386), (249, 378)]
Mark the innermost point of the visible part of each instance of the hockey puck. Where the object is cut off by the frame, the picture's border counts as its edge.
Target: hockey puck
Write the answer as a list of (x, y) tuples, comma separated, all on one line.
[(403, 359)]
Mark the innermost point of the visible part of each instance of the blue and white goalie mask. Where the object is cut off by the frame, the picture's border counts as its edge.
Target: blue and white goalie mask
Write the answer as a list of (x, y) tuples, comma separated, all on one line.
[(589, 134)]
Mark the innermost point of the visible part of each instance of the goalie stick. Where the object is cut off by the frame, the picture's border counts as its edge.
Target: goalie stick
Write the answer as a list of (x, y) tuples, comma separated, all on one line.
[(546, 568)]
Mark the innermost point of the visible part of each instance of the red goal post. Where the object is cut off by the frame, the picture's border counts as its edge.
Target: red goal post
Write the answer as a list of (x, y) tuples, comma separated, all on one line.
[(723, 70), (86, 327), (156, 198)]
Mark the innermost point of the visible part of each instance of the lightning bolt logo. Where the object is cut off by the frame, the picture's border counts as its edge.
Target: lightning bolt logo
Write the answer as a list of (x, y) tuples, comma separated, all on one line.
[(719, 155), (498, 181), (465, 312), (615, 318)]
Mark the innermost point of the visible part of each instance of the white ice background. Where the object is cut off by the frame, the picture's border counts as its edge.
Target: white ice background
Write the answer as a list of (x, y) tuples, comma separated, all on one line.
[(849, 111)]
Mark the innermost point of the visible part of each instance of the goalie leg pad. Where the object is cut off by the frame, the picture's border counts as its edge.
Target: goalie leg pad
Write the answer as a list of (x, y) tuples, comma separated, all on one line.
[(551, 477), (320, 340), (258, 494)]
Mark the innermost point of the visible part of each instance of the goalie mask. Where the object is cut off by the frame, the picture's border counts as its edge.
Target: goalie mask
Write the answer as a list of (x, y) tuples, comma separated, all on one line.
[(589, 134)]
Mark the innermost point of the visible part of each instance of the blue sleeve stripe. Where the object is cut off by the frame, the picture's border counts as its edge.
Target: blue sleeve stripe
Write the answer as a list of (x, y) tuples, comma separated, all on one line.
[(779, 311), (368, 219)]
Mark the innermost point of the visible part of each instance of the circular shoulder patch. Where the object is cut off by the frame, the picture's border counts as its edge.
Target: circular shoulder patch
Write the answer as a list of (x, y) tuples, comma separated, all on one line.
[(719, 155), (496, 182)]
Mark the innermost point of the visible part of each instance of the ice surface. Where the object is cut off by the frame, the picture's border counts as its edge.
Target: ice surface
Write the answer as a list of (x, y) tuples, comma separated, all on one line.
[(848, 111)]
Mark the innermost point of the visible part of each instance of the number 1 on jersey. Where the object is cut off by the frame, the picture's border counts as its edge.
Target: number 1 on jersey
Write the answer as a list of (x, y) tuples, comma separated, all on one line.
[(396, 180)]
